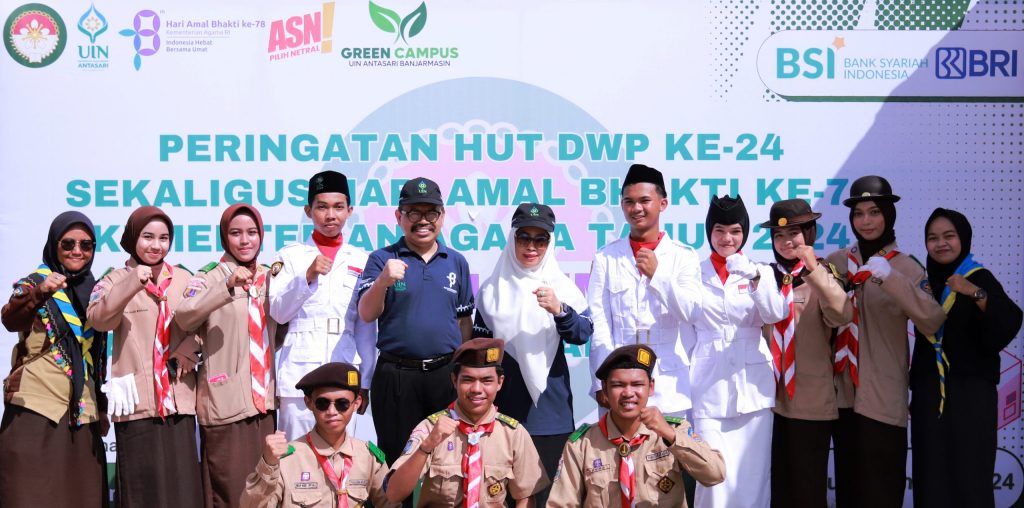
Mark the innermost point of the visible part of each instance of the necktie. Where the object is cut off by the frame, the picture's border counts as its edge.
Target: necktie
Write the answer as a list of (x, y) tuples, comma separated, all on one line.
[(161, 344), (783, 344)]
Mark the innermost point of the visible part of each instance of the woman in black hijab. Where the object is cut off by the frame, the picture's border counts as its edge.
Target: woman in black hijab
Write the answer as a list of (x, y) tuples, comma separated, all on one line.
[(954, 372), (54, 414)]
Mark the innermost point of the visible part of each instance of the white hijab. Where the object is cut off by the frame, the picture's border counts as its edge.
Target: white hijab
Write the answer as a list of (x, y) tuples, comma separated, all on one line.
[(509, 307)]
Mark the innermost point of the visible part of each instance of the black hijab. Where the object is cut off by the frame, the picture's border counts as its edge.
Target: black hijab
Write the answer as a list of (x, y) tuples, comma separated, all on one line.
[(727, 210), (869, 248), (938, 273), (80, 283)]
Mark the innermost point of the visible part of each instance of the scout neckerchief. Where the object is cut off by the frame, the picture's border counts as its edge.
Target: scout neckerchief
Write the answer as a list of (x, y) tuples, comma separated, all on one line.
[(259, 353), (339, 484), (848, 339), (627, 473), (162, 342), (82, 332), (472, 464), (783, 344), (718, 262), (967, 267)]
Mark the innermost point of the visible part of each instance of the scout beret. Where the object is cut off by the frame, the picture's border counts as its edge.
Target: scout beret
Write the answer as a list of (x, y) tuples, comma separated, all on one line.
[(337, 374), (637, 356), (480, 352)]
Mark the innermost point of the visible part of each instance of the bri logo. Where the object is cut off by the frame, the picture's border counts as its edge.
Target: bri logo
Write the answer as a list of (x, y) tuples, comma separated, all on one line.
[(961, 63)]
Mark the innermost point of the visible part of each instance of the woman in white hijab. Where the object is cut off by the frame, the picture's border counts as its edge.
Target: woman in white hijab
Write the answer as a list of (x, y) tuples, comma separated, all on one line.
[(531, 304)]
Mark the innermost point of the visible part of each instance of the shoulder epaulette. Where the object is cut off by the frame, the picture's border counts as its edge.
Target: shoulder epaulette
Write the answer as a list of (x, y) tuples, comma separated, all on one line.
[(186, 269), (575, 436), (434, 417), (835, 271), (209, 266), (107, 272), (674, 420), (911, 256), (377, 452), (507, 420)]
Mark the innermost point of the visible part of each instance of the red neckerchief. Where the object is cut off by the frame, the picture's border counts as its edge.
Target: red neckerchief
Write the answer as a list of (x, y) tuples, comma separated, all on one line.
[(719, 263), (328, 246), (162, 341), (472, 462), (627, 472), (847, 344), (331, 476), (636, 246)]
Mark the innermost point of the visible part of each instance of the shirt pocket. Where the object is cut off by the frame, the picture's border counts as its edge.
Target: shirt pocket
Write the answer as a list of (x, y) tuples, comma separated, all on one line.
[(622, 301), (598, 486), (312, 499), (226, 398), (494, 489), (663, 479), (443, 481)]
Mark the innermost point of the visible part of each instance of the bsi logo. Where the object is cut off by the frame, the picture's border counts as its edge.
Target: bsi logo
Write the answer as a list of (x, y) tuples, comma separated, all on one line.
[(403, 28), (961, 63), (813, 63)]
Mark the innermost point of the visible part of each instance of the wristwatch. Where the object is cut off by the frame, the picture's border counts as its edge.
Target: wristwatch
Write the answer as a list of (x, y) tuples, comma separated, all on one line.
[(980, 294)]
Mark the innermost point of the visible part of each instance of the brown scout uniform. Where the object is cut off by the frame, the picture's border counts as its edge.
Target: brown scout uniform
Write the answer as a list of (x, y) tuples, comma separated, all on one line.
[(121, 304), (819, 305), (299, 481), (41, 385), (511, 466), (883, 363), (220, 317), (588, 473)]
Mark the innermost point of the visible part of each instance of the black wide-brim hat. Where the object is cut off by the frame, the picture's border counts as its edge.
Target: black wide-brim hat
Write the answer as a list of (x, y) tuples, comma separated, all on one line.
[(870, 188), (790, 212)]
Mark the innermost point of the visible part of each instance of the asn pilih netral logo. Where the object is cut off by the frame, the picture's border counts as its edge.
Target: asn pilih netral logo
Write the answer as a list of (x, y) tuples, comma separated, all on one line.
[(403, 53), (34, 35), (92, 55), (303, 34), (145, 34)]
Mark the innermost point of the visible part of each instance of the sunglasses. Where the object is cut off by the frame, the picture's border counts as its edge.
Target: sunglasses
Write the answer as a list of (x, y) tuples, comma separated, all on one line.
[(68, 245), (322, 403), (525, 240)]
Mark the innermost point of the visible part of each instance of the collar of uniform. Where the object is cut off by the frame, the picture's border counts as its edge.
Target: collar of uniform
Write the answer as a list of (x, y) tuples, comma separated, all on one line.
[(710, 276), (860, 255), (488, 418), (622, 253), (325, 449), (614, 432), (403, 249)]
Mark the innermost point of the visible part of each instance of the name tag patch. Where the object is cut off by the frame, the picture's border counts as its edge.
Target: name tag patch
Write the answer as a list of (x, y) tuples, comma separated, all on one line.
[(658, 455), (306, 485), (599, 468)]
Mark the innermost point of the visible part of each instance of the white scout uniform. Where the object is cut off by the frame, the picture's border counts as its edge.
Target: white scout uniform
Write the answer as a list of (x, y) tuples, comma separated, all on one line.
[(628, 308), (323, 325), (733, 383)]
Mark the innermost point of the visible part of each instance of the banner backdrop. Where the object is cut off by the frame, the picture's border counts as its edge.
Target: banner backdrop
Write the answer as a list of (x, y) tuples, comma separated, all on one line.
[(193, 106)]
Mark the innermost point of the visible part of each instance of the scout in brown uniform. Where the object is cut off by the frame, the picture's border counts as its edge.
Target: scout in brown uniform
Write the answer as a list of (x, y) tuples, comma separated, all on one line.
[(50, 447), (805, 406), (326, 467), (470, 454), (888, 288), (153, 404), (602, 467), (226, 304)]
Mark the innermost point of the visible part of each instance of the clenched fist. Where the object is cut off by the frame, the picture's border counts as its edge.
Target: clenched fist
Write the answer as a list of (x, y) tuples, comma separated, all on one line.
[(320, 266), (652, 418), (444, 427), (53, 282), (806, 253), (394, 271), (646, 262), (144, 273), (240, 277), (275, 446)]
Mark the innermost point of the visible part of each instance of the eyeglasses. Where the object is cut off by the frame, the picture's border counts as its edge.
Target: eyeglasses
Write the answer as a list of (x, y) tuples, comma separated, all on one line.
[(322, 403), (525, 240), (416, 215), (68, 245)]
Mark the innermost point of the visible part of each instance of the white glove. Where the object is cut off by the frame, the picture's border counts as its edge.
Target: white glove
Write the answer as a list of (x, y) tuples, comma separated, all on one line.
[(122, 395), (741, 265), (879, 267)]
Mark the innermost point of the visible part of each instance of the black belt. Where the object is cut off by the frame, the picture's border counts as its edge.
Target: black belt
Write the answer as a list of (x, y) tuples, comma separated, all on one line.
[(426, 364)]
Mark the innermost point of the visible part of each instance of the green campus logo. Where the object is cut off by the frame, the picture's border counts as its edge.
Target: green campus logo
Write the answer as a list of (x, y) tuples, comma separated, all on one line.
[(404, 28)]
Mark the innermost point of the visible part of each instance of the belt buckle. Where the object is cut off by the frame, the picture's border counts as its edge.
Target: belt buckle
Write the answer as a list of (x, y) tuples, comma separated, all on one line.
[(333, 326), (643, 334), (424, 364)]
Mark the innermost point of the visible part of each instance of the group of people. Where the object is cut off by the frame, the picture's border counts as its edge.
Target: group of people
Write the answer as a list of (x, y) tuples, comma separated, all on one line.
[(760, 368)]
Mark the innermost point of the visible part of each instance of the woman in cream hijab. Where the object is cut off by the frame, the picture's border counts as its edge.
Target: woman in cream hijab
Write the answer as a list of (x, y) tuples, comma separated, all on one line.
[(531, 304)]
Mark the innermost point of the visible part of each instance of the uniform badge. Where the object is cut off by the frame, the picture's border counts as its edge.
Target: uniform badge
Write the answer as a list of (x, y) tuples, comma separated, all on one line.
[(558, 471), (665, 484), (787, 279), (643, 357), (494, 489), (254, 292), (353, 378), (304, 476), (783, 221), (597, 463), (408, 448), (492, 355), (276, 268), (743, 289), (451, 446), (624, 449), (19, 290), (926, 286)]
